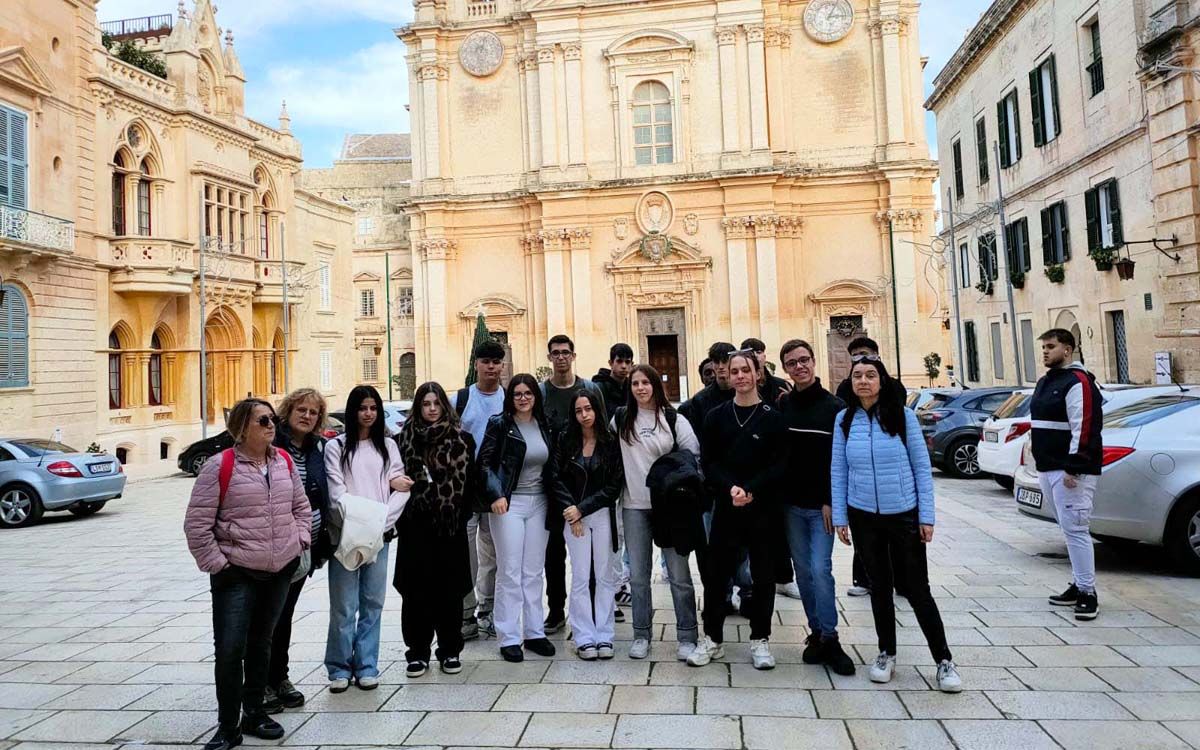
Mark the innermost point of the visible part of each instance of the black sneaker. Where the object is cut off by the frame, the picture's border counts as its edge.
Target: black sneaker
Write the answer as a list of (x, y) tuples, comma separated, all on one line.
[(512, 654), (225, 738), (812, 649), (1087, 607), (618, 615), (288, 695), (416, 668), (272, 703), (451, 665), (540, 646), (261, 726), (1067, 598), (624, 598), (555, 622), (835, 658)]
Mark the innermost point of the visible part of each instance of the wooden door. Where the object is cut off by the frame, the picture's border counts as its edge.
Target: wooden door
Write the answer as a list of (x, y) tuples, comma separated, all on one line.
[(664, 357), (842, 330)]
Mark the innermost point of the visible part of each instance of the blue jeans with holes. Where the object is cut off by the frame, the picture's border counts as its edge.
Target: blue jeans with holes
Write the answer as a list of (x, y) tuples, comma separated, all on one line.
[(355, 618), (812, 556)]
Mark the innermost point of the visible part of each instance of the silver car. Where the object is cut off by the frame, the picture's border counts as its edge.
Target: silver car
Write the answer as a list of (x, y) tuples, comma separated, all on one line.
[(1149, 489), (40, 475)]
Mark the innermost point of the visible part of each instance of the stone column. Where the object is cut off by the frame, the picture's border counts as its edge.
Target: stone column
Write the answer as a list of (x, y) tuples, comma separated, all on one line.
[(131, 204), (435, 255), (756, 67), (139, 394), (904, 225), (546, 105), (532, 113), (768, 277), (430, 124), (777, 100), (573, 56), (737, 232), (726, 44), (581, 281), (554, 242), (890, 29)]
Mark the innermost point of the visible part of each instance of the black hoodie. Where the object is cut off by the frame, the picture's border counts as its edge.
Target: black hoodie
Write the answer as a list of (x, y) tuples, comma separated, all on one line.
[(810, 416), (613, 390)]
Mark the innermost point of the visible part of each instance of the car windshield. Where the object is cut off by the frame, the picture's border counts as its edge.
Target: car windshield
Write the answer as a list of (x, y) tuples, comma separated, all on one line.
[(1150, 410), (934, 400), (1014, 407), (35, 448)]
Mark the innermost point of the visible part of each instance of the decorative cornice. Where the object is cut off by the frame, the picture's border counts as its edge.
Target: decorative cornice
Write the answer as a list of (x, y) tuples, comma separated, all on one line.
[(438, 248), (572, 51), (978, 41), (545, 55), (726, 34), (762, 225), (433, 72), (754, 33), (887, 25), (901, 218)]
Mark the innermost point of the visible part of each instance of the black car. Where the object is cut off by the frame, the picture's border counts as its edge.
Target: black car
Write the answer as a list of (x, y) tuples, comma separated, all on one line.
[(192, 458), (953, 427)]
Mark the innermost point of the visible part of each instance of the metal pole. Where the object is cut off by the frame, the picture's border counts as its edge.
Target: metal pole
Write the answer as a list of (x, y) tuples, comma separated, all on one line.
[(203, 322), (387, 293), (961, 361), (895, 302), (1012, 313), (286, 315)]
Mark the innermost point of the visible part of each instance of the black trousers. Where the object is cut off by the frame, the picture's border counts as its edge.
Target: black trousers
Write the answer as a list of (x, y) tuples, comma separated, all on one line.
[(246, 609), (281, 640), (863, 580), (556, 574), (435, 610), (735, 529), (880, 539)]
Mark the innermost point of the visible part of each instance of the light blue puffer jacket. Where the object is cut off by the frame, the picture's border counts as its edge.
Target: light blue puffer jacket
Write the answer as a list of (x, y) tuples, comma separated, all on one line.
[(878, 472)]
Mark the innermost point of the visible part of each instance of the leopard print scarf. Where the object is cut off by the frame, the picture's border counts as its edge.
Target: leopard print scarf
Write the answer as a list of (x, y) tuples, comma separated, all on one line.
[(438, 458)]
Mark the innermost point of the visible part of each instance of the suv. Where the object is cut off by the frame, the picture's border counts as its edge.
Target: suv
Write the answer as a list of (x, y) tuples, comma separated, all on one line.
[(953, 427)]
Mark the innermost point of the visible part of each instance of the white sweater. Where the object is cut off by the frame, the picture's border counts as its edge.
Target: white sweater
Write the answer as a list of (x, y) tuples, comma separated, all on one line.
[(651, 441), (366, 477)]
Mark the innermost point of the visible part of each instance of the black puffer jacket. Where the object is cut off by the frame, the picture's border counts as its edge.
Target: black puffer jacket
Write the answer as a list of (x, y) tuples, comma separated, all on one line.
[(315, 487), (588, 489), (500, 459), (678, 501)]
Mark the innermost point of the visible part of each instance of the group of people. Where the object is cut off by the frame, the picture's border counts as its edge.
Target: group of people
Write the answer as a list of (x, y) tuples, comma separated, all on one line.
[(488, 491)]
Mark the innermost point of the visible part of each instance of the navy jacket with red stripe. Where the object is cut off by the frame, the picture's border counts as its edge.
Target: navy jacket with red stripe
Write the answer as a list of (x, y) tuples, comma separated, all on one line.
[(1066, 415)]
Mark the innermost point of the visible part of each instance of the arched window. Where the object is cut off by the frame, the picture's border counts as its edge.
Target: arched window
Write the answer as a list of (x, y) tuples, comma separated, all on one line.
[(408, 375), (277, 355), (156, 371), (14, 338), (653, 133), (264, 225), (114, 371), (118, 195), (143, 200)]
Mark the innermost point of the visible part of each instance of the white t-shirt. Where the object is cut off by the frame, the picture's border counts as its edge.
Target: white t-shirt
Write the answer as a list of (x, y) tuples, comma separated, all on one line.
[(651, 441), (480, 408)]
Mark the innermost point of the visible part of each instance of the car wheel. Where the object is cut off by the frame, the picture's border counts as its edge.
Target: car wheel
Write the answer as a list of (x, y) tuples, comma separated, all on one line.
[(962, 460), (1182, 536), (19, 506), (87, 509), (196, 463), (1005, 482)]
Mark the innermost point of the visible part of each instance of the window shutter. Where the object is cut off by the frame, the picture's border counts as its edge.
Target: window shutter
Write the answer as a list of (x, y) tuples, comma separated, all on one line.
[(18, 160), (958, 169), (1009, 247), (1002, 130), (1064, 232), (1016, 105), (1054, 95), (1114, 214), (1035, 101), (981, 151), (14, 340), (1091, 202), (4, 169), (1047, 239), (1026, 261)]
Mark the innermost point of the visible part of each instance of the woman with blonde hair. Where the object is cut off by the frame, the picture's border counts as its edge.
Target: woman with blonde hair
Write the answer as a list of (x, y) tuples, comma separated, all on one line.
[(247, 523)]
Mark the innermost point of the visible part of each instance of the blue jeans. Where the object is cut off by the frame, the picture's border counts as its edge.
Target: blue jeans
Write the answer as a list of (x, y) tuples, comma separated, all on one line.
[(639, 541), (355, 612), (812, 555)]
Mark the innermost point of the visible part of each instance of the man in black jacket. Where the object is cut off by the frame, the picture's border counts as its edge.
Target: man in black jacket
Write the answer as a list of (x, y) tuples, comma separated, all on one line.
[(1066, 412), (809, 411), (769, 386), (697, 407), (612, 380)]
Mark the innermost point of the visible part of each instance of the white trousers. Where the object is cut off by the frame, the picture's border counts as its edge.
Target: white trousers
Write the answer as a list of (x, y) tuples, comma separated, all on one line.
[(1073, 509), (520, 536), (592, 619)]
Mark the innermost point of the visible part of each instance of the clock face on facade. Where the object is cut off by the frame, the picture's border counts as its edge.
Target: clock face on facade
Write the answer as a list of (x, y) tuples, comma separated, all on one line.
[(481, 54), (828, 21)]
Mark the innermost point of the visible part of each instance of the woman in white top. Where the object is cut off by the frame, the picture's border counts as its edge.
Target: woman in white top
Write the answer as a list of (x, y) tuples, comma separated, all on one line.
[(365, 463), (643, 427)]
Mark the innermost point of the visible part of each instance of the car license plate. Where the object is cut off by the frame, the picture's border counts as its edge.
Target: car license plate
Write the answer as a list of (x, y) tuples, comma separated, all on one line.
[(991, 436), (100, 468), (1032, 498)]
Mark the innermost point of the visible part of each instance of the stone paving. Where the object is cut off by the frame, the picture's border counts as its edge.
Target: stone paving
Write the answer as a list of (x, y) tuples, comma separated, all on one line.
[(105, 642)]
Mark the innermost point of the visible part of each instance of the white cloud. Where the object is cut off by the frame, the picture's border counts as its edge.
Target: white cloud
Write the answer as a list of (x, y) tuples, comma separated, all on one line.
[(250, 17)]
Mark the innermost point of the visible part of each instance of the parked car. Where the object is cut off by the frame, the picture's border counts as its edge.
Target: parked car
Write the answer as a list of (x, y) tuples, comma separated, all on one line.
[(1149, 487), (925, 398), (394, 414), (42, 475), (191, 459), (952, 427), (1007, 431)]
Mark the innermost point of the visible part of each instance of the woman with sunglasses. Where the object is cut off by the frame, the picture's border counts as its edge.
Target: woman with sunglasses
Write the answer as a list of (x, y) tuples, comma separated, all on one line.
[(246, 524), (433, 565), (361, 462), (517, 474), (882, 491)]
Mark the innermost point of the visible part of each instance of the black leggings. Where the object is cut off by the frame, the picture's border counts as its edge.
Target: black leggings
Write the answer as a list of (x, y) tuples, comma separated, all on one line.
[(879, 539)]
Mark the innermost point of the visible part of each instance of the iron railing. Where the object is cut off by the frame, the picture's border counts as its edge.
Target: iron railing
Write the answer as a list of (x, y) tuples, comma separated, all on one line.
[(31, 228), (137, 27)]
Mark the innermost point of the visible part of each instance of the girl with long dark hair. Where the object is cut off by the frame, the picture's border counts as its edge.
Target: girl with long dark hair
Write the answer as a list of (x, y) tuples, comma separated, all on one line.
[(364, 463), (882, 487), (433, 565), (649, 428), (518, 473), (590, 478)]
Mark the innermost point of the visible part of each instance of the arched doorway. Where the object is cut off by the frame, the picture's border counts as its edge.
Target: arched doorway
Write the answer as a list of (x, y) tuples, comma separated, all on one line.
[(225, 342), (1066, 319)]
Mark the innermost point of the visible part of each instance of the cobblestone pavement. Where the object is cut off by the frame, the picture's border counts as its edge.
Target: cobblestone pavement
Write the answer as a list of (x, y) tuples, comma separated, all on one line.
[(105, 641)]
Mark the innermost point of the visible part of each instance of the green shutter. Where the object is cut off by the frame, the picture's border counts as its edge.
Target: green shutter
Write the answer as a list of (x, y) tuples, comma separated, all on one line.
[(1026, 261), (1035, 101), (1047, 239), (1114, 214), (1091, 203), (1064, 232), (1002, 130), (958, 169), (981, 149), (1016, 102), (1054, 95)]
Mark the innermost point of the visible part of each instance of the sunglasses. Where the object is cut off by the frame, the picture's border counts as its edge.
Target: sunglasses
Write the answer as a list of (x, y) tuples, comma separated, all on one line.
[(865, 358), (265, 420)]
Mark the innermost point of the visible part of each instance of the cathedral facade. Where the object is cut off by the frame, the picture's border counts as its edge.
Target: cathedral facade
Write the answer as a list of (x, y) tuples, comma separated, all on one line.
[(670, 174)]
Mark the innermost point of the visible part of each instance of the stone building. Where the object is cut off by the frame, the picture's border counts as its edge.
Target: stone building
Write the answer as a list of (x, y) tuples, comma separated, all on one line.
[(121, 171), (669, 174), (372, 175), (1055, 100)]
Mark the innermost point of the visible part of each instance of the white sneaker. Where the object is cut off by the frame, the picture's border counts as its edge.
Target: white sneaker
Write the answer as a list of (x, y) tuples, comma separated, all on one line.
[(858, 591), (883, 668), (706, 650), (367, 683), (640, 649), (947, 677), (684, 651), (588, 652), (790, 590), (339, 685), (760, 652)]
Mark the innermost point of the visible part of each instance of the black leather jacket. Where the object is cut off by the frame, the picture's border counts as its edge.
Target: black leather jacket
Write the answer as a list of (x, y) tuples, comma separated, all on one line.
[(589, 490), (501, 456)]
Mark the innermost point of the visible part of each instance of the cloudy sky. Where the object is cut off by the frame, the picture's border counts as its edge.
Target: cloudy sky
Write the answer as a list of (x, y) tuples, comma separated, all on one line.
[(341, 69)]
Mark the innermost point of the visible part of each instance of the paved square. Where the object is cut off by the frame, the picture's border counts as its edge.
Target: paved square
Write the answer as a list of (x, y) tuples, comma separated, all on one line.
[(105, 641)]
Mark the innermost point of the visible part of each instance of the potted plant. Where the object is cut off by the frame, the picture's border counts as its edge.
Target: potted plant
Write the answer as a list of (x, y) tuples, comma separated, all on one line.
[(1125, 268), (1056, 273), (1018, 279), (1103, 257), (984, 286)]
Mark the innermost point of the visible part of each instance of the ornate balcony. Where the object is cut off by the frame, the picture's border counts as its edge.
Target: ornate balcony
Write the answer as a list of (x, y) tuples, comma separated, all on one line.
[(148, 265), (269, 274), (22, 230)]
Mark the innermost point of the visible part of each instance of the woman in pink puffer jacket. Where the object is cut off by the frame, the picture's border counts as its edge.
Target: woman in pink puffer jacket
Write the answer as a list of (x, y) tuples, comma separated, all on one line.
[(249, 541)]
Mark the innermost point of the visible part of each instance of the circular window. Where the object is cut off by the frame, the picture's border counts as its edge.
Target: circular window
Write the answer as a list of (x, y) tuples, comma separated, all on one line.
[(134, 136)]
